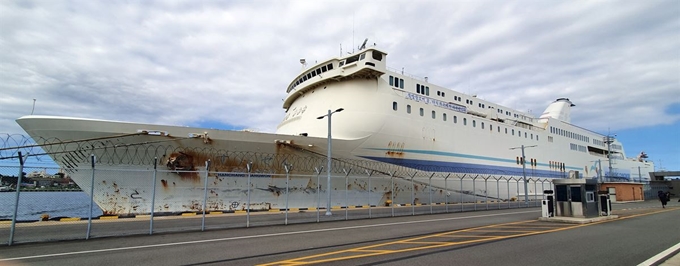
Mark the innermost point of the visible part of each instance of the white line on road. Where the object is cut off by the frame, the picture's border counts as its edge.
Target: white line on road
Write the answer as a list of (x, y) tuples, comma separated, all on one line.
[(658, 257), (256, 236)]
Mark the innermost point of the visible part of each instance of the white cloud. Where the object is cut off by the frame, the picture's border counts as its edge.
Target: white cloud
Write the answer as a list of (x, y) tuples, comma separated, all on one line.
[(230, 62)]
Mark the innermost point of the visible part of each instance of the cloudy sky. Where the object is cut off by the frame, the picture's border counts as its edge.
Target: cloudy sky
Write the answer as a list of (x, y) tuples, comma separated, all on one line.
[(226, 64)]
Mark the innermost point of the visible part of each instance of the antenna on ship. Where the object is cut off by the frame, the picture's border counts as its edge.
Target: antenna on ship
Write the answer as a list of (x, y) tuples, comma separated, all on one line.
[(363, 45), (33, 109)]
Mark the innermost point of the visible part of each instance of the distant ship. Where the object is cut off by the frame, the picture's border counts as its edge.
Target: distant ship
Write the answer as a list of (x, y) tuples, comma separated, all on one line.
[(405, 133)]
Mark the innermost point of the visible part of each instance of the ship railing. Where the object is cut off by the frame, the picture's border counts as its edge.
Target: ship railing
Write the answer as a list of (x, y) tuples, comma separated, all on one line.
[(401, 72)]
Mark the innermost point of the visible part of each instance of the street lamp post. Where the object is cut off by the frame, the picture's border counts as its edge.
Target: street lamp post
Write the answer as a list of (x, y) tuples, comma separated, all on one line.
[(524, 173), (328, 188)]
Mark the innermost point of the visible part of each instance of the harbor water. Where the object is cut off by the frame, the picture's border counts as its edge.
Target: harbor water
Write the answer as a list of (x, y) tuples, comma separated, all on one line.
[(33, 205)]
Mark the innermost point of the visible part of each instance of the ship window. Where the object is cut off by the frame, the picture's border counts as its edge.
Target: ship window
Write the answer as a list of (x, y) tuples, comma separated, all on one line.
[(513, 132), (444, 116), (362, 56), (396, 82), (408, 108), (394, 106), (401, 83), (313, 74), (342, 63), (499, 129), (482, 125), (352, 59), (525, 135), (422, 112), (391, 81), (439, 93), (455, 119), (491, 127), (330, 67), (532, 136), (318, 71), (304, 78), (309, 75), (324, 69), (474, 123), (536, 137), (417, 88), (427, 91), (465, 121), (434, 115), (443, 94), (377, 55), (519, 133)]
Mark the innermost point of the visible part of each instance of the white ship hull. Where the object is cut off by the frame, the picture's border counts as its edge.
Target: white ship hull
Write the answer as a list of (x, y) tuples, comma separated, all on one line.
[(393, 129)]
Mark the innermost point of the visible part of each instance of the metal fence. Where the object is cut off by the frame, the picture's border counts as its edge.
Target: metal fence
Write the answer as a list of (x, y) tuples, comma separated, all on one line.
[(115, 202)]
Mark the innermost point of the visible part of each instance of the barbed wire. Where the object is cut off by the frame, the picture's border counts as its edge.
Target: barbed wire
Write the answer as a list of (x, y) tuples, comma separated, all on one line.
[(184, 154)]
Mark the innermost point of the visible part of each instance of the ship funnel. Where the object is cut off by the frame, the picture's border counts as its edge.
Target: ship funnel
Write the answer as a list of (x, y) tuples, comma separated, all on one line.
[(560, 109)]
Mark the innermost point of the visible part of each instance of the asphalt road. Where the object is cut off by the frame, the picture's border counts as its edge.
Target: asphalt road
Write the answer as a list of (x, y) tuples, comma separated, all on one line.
[(497, 237)]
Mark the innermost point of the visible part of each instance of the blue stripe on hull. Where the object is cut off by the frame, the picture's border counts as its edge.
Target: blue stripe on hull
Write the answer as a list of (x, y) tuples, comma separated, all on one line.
[(438, 166)]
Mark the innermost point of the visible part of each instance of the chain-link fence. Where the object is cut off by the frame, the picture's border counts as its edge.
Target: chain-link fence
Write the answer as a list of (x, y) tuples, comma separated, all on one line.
[(139, 185), (110, 202)]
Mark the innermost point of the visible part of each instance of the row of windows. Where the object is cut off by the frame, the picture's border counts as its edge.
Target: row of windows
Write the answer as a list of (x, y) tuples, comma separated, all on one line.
[(576, 147), (424, 90), (397, 82), (421, 112), (312, 74), (570, 134)]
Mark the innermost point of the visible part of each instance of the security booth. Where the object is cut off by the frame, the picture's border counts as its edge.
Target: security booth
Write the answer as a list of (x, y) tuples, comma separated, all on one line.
[(576, 198), (548, 204)]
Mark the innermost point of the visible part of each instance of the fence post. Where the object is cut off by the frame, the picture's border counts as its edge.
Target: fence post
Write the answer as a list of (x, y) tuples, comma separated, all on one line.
[(446, 188), (536, 193), (288, 168), (205, 194), (498, 191), (249, 166), (89, 217), (413, 192), (346, 195), (369, 173), (486, 192), (474, 192), (318, 192), (461, 194), (430, 188), (392, 191), (153, 194), (16, 200), (508, 195)]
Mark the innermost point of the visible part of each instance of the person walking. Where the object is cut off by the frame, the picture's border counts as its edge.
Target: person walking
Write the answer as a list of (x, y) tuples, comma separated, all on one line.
[(662, 198)]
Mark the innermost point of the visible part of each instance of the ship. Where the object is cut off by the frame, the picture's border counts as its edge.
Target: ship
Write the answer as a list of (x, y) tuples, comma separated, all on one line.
[(395, 138)]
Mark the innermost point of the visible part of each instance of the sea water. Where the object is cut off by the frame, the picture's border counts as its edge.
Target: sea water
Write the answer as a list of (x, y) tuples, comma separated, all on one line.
[(33, 205)]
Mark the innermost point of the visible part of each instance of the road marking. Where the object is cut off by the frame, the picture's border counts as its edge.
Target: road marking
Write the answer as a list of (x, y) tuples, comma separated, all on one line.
[(373, 250), (658, 257), (259, 236)]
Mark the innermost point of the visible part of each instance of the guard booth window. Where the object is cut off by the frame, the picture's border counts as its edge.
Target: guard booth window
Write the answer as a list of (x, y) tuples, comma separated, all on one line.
[(576, 194), (561, 193)]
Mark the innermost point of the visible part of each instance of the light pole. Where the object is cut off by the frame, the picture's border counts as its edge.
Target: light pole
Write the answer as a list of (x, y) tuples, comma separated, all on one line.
[(524, 173), (330, 113)]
